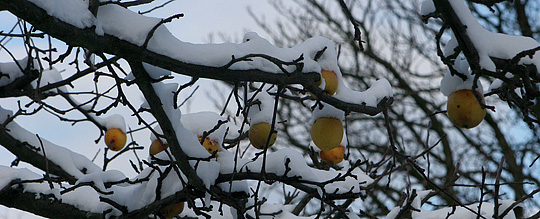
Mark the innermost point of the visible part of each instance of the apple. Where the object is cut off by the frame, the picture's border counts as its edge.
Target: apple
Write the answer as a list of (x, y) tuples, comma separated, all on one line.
[(156, 147), (173, 210), (331, 81), (258, 135), (210, 145), (334, 156), (327, 133), (115, 139), (464, 110)]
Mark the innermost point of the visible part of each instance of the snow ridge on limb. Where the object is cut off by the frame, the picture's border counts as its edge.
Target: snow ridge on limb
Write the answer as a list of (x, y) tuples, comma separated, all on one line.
[(18, 186), (479, 45), (297, 65), (221, 61), (490, 55), (63, 162)]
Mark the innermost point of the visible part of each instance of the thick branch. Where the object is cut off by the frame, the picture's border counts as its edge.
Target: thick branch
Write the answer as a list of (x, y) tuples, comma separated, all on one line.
[(14, 196), (88, 38), (143, 82), (460, 32), (24, 153), (16, 87)]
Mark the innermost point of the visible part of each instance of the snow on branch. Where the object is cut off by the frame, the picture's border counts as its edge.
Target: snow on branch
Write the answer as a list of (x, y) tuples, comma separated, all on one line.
[(112, 32), (28, 147), (185, 171), (511, 59)]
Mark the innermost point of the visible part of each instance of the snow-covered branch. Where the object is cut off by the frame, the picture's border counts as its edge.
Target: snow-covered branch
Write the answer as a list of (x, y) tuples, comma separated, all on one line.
[(511, 59), (29, 148), (109, 36)]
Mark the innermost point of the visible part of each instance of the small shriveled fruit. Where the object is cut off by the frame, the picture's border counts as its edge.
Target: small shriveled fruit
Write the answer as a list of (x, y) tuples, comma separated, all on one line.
[(156, 147), (334, 156), (258, 135), (210, 145), (115, 139), (173, 210), (327, 133), (464, 110)]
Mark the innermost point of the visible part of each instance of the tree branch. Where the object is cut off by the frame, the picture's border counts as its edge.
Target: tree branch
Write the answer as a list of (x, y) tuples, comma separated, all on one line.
[(15, 196), (24, 153), (87, 38)]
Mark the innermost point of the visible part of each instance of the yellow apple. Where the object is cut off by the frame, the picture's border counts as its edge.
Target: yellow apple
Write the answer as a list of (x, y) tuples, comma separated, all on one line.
[(115, 139), (331, 81), (334, 156), (326, 133), (156, 147), (210, 145), (258, 135), (173, 210), (464, 110)]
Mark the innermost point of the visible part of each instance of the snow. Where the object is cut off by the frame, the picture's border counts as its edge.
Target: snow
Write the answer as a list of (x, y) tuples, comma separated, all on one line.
[(53, 192), (207, 171), (72, 12), (371, 97), (328, 61), (132, 27), (49, 76), (450, 46), (9, 174), (139, 195), (115, 20), (158, 130), (84, 198), (189, 142), (489, 45), (495, 45), (427, 7), (100, 178), (11, 71), (153, 71), (127, 25), (264, 111), (234, 186), (495, 84), (204, 121), (393, 213), (327, 111), (113, 121), (451, 83), (73, 163)]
